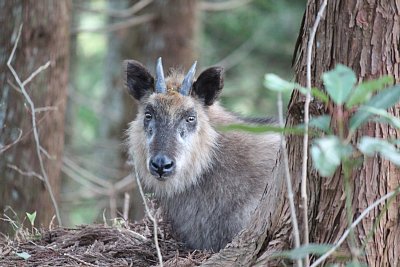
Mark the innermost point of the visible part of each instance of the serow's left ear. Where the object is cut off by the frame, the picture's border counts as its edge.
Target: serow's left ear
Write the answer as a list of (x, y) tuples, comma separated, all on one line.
[(209, 85), (138, 79)]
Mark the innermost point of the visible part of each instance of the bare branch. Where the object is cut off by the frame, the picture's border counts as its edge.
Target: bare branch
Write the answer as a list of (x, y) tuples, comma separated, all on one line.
[(118, 25), (35, 131), (119, 13), (293, 216), (85, 173), (222, 6), (77, 178), (151, 218), (43, 109), (304, 196), (36, 72), (30, 174), (44, 151), (354, 224), (4, 148)]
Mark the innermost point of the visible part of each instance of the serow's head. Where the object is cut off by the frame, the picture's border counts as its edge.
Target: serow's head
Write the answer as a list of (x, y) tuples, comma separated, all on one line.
[(171, 140)]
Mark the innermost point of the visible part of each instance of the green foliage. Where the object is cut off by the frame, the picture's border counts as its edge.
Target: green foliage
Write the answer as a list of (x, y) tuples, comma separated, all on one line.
[(327, 154), (338, 83), (31, 217), (259, 129), (369, 146), (332, 151), (363, 92), (382, 100), (322, 122), (303, 251)]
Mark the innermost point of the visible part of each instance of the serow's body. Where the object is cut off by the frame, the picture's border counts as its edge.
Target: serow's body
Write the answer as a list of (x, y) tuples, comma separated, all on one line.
[(208, 182)]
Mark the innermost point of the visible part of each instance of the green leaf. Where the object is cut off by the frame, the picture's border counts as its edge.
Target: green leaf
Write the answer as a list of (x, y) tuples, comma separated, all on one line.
[(394, 121), (303, 251), (31, 217), (369, 146), (363, 92), (23, 255), (321, 122), (259, 129), (339, 82), (382, 100), (327, 154), (320, 95), (275, 83)]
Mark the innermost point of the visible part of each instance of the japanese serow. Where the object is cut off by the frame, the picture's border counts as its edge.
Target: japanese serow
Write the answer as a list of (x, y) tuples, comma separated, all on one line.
[(207, 182)]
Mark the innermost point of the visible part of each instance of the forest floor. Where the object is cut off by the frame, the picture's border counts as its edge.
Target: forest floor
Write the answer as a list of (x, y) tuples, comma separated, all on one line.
[(129, 244)]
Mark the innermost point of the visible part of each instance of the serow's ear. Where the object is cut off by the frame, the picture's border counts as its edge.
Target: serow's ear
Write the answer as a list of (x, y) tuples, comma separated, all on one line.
[(138, 79), (208, 85)]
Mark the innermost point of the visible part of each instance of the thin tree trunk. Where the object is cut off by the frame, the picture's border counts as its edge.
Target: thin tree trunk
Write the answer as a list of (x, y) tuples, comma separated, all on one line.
[(45, 37)]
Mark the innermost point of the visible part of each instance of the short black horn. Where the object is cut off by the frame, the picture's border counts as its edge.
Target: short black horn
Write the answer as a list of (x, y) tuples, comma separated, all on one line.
[(160, 80), (188, 80)]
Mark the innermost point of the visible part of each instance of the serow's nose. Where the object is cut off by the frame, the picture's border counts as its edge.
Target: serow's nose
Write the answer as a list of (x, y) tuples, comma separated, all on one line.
[(161, 166)]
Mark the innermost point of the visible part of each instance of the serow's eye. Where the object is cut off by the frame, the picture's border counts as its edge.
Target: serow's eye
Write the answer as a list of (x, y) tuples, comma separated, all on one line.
[(191, 119), (148, 116)]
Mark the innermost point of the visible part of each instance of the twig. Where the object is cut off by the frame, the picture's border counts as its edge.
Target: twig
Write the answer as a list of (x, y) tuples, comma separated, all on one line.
[(118, 25), (79, 260), (4, 148), (44, 151), (354, 224), (36, 72), (119, 13), (151, 218), (305, 138), (37, 110), (35, 131), (76, 177), (126, 206), (222, 6), (30, 174), (293, 217)]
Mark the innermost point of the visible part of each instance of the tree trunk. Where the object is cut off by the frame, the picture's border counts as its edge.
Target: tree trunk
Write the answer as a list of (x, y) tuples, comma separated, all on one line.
[(44, 37), (364, 35)]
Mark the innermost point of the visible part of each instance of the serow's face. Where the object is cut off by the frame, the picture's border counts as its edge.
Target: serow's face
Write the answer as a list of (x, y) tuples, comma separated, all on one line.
[(170, 125), (171, 138)]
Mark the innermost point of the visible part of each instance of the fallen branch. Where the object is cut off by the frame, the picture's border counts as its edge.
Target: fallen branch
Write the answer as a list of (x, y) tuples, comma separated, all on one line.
[(33, 116)]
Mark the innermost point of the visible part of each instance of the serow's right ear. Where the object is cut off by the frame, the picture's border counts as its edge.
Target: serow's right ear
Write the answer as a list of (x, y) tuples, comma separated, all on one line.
[(138, 79)]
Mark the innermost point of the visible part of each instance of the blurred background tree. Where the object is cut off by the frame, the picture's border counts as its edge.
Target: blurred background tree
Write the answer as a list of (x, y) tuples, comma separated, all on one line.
[(44, 38), (247, 38)]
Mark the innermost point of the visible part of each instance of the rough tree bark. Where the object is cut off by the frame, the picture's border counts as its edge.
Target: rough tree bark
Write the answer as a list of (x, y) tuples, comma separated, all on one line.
[(364, 35), (45, 37)]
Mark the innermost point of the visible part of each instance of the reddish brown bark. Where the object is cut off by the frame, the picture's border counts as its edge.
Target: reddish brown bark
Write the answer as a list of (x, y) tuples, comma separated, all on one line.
[(364, 35), (45, 37)]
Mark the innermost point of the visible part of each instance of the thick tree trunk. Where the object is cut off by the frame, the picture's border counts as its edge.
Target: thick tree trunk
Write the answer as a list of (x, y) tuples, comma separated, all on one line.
[(364, 35), (45, 37)]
